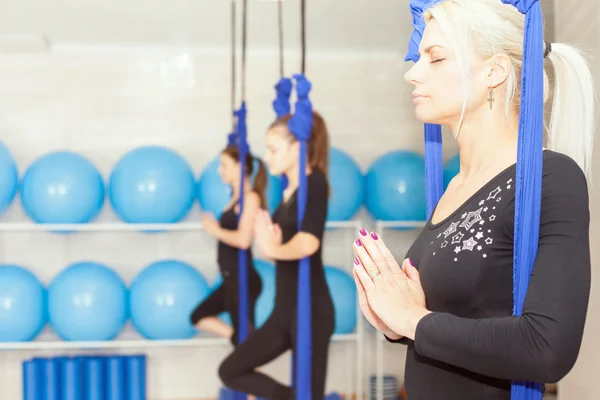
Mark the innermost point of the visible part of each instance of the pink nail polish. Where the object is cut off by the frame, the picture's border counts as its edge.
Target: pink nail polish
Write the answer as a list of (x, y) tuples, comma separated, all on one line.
[(363, 232), (358, 242), (374, 236), (355, 261)]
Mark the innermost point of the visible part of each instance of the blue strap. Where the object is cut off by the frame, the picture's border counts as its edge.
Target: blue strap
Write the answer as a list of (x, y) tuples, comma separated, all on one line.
[(243, 149), (301, 126), (434, 168), (528, 187)]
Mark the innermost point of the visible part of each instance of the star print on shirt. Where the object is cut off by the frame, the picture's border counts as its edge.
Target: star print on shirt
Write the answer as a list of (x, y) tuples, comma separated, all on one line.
[(457, 238), (451, 229), (488, 240), (472, 218), (469, 244), (494, 193)]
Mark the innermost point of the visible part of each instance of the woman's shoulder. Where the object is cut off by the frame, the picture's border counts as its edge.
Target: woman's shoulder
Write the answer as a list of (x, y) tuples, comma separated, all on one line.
[(318, 177), (562, 175)]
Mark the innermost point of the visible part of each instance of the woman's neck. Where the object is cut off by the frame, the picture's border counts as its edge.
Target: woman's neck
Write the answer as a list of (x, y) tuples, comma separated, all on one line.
[(236, 189), (293, 175), (487, 144)]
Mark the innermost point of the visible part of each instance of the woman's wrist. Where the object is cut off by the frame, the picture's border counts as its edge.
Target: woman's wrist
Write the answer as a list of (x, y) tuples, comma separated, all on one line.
[(390, 334)]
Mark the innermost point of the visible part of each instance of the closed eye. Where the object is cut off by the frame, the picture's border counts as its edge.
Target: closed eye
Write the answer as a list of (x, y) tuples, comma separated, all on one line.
[(438, 60)]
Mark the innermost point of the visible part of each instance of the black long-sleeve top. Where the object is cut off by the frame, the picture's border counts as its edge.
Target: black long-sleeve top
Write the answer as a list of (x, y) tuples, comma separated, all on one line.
[(471, 346)]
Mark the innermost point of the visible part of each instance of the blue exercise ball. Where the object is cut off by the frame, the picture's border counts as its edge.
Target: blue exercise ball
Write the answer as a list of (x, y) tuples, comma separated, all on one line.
[(87, 301), (9, 178), (23, 311), (347, 186), (343, 291), (451, 168), (152, 184), (163, 296), (396, 187), (62, 187), (213, 194)]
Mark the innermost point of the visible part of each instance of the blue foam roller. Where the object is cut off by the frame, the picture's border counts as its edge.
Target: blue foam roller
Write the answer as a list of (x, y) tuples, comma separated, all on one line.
[(48, 377), (32, 385), (333, 396), (136, 377), (71, 379), (115, 378), (95, 378)]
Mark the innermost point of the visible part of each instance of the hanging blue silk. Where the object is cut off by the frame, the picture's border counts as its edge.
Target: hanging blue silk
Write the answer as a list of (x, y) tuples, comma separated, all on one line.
[(301, 126)]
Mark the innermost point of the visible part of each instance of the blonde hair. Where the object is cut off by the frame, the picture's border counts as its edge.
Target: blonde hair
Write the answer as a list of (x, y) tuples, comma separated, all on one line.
[(495, 28)]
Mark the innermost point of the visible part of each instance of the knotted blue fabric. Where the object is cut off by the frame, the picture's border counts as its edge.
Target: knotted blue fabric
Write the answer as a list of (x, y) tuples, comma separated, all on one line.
[(232, 139), (301, 126), (281, 105), (528, 187)]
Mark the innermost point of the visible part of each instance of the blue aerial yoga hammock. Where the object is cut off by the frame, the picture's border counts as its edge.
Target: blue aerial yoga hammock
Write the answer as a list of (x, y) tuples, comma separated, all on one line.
[(300, 125), (528, 186), (239, 139)]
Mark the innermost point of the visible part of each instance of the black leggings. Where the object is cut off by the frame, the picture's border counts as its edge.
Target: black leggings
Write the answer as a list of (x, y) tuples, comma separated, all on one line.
[(226, 299), (270, 341)]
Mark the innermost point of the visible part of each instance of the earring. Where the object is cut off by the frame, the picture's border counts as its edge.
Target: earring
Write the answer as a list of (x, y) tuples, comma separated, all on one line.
[(491, 99)]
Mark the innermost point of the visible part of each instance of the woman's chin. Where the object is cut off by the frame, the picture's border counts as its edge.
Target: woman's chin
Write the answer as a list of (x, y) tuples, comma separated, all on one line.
[(424, 116)]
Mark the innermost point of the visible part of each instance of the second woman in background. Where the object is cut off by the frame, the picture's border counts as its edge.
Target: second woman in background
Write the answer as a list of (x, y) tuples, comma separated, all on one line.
[(280, 240), (232, 237)]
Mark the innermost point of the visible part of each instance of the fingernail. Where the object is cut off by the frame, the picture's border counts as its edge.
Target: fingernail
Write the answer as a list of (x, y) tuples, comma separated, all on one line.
[(355, 261), (363, 232), (358, 242), (374, 236)]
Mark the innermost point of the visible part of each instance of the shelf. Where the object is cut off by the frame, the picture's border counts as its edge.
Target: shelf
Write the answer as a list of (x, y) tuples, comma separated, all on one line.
[(125, 227), (182, 226), (134, 341)]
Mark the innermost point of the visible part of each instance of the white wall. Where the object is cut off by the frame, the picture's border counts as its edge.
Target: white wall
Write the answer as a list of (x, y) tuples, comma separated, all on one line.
[(579, 26), (102, 102)]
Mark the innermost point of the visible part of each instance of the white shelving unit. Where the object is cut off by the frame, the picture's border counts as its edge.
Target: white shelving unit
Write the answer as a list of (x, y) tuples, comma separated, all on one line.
[(381, 226), (132, 340)]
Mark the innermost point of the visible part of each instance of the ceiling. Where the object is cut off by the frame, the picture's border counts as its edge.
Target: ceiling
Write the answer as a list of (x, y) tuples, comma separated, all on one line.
[(376, 25)]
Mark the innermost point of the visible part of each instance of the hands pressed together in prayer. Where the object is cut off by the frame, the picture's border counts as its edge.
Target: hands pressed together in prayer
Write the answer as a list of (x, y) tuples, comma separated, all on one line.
[(390, 296)]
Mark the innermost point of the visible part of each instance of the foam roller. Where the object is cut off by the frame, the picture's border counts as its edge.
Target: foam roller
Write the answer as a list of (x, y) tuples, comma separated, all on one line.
[(95, 382), (71, 378), (48, 378), (136, 377), (115, 378), (32, 388)]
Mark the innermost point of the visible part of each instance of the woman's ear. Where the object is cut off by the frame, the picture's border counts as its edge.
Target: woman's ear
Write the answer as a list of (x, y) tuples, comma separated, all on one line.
[(500, 68)]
